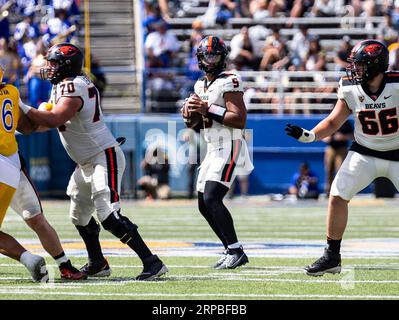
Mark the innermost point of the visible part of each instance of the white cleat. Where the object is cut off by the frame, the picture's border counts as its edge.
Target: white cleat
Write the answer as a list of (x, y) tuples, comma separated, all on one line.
[(36, 265)]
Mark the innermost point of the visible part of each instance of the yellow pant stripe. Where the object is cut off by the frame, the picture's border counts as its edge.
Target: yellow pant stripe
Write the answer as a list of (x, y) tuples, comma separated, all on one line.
[(6, 194)]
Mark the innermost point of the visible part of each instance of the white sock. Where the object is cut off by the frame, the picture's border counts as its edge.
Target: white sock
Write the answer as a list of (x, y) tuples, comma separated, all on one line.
[(61, 259), (236, 245), (26, 258)]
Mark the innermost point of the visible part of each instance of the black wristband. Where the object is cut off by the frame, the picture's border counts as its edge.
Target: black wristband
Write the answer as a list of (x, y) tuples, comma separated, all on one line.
[(216, 113)]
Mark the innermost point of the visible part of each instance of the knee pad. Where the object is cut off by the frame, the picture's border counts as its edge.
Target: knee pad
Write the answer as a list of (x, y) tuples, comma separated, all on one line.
[(91, 229), (120, 226)]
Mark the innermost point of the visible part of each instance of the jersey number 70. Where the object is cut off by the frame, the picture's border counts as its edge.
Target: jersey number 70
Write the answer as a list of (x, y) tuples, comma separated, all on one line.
[(385, 123)]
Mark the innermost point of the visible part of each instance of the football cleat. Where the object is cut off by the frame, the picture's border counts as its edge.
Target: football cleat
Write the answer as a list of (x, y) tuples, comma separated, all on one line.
[(327, 263), (153, 268), (234, 259), (69, 272), (219, 263), (99, 270), (37, 269)]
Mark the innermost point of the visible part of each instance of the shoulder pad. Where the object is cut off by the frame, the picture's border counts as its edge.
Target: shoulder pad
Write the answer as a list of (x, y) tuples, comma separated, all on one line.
[(71, 87), (345, 81), (392, 76)]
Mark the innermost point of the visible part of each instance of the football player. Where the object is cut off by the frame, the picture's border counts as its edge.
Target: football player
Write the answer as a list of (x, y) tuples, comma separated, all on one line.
[(96, 181), (370, 93), (219, 99), (10, 174)]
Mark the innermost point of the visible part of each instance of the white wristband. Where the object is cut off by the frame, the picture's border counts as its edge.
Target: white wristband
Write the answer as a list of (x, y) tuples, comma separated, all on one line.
[(307, 136), (25, 108)]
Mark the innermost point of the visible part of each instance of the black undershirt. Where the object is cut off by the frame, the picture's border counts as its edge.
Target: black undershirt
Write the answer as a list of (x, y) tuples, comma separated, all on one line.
[(392, 155)]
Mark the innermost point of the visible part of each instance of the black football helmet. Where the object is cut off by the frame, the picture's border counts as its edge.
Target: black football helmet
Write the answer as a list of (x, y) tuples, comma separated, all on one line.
[(68, 63), (211, 54), (367, 59)]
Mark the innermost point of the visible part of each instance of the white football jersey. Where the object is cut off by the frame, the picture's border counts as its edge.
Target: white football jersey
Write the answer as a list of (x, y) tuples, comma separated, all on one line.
[(375, 114), (213, 93), (85, 135)]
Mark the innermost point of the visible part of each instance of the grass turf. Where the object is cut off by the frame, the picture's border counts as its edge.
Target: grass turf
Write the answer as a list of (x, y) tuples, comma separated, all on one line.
[(191, 277)]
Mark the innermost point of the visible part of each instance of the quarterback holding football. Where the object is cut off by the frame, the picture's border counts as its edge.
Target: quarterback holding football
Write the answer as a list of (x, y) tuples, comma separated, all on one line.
[(217, 107), (370, 94)]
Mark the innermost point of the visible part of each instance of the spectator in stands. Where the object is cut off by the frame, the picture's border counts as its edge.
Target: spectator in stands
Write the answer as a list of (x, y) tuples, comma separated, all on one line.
[(161, 46), (299, 45), (152, 16), (304, 183), (315, 59), (243, 51), (394, 11), (386, 30), (27, 27), (369, 11), (10, 61), (275, 49), (259, 9), (335, 152), (163, 5), (71, 6), (38, 89), (218, 12), (155, 181), (341, 58), (27, 50), (300, 8), (60, 29), (327, 8), (228, 9), (23, 7)]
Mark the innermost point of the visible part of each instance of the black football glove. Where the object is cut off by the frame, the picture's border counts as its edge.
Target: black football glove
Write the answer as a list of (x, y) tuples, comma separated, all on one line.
[(299, 133)]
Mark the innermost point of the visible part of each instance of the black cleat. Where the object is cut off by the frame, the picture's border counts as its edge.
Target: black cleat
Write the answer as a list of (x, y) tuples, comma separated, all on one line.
[(153, 268), (219, 263), (234, 259), (100, 269), (327, 263)]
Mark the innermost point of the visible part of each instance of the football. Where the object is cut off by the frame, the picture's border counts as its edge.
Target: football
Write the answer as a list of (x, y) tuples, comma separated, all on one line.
[(191, 119)]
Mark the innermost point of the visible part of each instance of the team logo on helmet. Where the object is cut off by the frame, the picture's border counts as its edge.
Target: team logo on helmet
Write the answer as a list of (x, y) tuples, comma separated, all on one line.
[(373, 49), (68, 50)]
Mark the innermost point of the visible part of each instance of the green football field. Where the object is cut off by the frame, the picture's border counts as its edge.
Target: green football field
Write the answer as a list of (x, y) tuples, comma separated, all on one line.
[(280, 238)]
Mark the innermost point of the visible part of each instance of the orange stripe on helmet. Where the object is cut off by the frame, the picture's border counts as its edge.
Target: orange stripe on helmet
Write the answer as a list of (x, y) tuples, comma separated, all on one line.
[(210, 43)]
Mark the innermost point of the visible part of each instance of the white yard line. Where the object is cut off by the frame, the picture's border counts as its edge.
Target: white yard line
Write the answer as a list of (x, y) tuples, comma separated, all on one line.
[(167, 279), (196, 295)]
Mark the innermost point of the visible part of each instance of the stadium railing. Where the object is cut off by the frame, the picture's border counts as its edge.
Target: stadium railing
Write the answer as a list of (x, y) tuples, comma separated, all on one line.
[(278, 92)]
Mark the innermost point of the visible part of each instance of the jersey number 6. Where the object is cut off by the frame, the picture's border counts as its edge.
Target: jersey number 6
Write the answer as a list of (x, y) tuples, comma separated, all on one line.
[(6, 115)]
